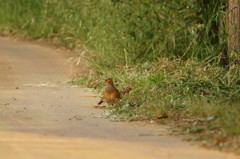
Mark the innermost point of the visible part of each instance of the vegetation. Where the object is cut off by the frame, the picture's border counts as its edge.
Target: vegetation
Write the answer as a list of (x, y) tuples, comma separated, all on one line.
[(174, 54)]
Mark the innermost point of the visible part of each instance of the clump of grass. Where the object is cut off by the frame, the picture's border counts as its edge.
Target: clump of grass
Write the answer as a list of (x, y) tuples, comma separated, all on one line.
[(202, 98)]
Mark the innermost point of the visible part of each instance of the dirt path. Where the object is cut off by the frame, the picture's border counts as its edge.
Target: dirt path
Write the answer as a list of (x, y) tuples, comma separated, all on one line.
[(43, 118)]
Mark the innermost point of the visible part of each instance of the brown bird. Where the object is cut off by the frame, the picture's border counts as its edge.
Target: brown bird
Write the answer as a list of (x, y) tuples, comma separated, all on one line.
[(111, 93)]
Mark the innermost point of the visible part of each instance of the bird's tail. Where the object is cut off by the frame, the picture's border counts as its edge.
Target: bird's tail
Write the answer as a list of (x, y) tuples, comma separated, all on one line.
[(127, 90), (100, 102)]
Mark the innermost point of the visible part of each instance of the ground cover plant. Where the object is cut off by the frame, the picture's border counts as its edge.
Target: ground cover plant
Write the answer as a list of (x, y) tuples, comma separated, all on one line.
[(174, 54)]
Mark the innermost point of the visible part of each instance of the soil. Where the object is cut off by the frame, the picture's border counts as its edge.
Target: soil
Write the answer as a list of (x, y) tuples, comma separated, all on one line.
[(43, 117)]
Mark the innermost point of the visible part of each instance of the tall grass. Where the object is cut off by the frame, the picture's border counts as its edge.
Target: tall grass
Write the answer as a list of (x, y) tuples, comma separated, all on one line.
[(123, 32)]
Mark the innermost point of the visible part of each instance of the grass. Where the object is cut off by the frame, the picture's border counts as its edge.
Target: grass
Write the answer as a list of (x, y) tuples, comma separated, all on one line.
[(135, 31), (172, 53), (200, 98)]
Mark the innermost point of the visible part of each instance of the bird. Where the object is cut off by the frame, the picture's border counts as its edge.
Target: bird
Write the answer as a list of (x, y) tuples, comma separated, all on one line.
[(111, 93)]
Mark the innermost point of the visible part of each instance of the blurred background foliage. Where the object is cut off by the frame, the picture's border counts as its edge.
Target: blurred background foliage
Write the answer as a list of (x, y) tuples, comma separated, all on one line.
[(124, 32)]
